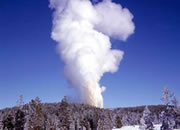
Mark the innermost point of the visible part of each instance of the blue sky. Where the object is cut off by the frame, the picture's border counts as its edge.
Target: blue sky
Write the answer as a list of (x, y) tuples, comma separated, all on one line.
[(29, 64)]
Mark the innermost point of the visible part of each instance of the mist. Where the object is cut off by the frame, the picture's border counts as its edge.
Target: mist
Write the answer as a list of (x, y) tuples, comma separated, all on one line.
[(82, 31)]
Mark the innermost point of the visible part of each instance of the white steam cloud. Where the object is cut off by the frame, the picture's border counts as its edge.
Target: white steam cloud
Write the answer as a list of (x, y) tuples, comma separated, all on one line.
[(83, 33)]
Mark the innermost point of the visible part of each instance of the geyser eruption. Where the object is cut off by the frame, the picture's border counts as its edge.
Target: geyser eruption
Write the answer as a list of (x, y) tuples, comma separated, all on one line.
[(83, 33)]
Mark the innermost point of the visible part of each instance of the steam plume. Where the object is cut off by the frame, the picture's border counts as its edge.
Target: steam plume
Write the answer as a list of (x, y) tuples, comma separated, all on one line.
[(83, 33)]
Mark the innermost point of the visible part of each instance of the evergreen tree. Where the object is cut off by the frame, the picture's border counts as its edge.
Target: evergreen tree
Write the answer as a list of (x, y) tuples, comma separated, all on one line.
[(20, 101), (175, 103), (168, 118), (146, 120), (169, 115), (105, 121), (167, 96), (28, 124), (118, 122), (177, 117), (50, 125), (19, 120), (1, 121), (85, 124), (126, 119), (64, 118), (101, 123), (8, 122), (37, 100), (36, 114)]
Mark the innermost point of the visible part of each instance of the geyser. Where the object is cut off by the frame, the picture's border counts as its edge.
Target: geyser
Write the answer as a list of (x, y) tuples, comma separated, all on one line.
[(83, 32)]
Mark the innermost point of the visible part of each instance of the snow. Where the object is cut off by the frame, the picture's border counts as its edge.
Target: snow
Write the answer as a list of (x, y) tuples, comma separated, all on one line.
[(157, 127)]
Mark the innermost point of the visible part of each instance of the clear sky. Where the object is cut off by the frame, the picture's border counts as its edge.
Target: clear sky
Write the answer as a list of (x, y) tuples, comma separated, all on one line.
[(29, 64)]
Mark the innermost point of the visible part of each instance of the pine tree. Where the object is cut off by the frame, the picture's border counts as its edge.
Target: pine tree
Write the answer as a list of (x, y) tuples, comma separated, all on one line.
[(169, 115), (20, 101), (108, 121), (1, 121), (105, 121), (118, 122), (64, 118), (167, 96), (36, 114), (8, 122), (146, 120), (168, 118), (84, 123), (175, 103), (28, 124), (126, 119), (50, 125), (19, 120), (177, 121), (37, 100), (101, 123)]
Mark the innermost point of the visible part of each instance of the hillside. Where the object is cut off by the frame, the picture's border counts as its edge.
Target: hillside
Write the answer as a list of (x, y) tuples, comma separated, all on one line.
[(64, 115)]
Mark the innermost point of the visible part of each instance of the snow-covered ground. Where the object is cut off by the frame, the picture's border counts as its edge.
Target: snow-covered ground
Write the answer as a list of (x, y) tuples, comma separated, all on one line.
[(157, 127)]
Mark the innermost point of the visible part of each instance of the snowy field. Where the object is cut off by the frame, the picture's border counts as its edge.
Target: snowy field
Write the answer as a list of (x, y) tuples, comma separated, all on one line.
[(157, 127)]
